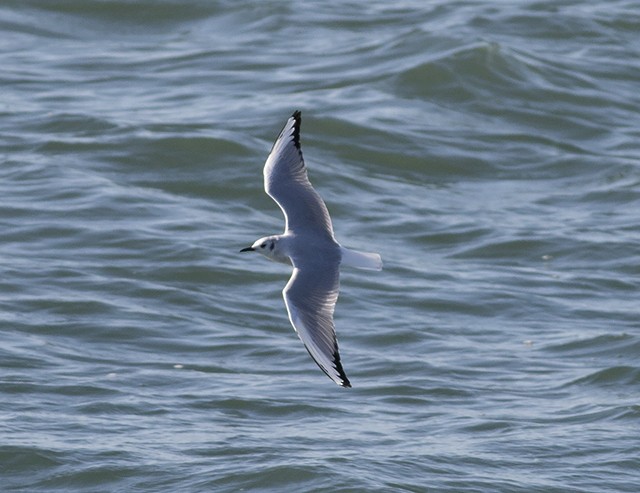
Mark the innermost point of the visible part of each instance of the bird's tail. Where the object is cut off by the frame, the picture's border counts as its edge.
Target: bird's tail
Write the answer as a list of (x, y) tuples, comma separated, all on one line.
[(361, 260)]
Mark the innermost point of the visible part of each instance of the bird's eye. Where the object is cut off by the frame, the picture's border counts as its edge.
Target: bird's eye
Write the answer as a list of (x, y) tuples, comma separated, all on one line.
[(263, 245)]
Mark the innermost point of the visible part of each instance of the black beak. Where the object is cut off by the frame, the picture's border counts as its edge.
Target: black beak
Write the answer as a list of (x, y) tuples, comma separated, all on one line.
[(248, 249)]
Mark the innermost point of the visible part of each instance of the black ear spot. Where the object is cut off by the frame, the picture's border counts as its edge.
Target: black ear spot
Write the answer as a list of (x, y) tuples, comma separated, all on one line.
[(271, 246)]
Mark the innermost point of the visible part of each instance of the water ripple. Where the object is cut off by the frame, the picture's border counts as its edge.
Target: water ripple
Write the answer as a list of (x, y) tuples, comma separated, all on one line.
[(487, 151)]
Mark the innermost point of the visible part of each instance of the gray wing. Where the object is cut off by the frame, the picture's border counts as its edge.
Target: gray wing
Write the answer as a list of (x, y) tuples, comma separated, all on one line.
[(286, 182), (310, 296)]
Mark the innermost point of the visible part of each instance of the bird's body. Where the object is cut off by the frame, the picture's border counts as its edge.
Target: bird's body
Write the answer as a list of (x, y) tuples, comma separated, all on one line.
[(309, 245)]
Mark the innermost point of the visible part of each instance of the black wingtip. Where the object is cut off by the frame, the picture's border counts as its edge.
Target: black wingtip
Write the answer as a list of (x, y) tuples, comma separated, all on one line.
[(297, 117), (343, 376)]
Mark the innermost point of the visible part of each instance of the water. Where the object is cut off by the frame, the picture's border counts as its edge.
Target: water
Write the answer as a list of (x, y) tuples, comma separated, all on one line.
[(488, 150)]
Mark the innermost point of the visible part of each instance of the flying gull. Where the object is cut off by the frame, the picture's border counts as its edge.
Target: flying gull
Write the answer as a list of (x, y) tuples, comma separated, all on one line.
[(309, 245)]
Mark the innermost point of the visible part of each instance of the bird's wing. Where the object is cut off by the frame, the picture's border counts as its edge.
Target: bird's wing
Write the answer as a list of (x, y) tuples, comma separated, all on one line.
[(286, 182), (310, 296)]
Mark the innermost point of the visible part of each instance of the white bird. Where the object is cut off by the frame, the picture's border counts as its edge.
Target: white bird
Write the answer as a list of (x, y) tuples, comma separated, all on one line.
[(308, 244)]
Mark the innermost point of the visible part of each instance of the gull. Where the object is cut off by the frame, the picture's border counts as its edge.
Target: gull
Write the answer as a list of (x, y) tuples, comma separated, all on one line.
[(309, 245)]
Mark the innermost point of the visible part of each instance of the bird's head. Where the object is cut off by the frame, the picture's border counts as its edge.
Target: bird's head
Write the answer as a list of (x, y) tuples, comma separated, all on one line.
[(267, 246)]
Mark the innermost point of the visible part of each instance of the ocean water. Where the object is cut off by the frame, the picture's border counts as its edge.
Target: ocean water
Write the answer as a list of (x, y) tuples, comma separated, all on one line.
[(489, 151)]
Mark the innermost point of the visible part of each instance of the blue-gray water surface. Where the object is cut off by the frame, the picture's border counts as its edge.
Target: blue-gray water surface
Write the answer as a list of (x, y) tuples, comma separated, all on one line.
[(488, 150)]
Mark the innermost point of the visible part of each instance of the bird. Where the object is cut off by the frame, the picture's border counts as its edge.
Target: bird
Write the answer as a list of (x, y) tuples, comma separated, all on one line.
[(309, 245)]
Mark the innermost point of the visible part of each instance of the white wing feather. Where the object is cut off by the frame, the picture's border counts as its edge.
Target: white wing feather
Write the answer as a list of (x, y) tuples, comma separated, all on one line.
[(310, 297), (286, 182)]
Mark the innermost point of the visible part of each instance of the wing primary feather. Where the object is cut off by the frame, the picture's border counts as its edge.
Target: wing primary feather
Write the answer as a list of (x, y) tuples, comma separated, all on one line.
[(297, 118), (338, 367)]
